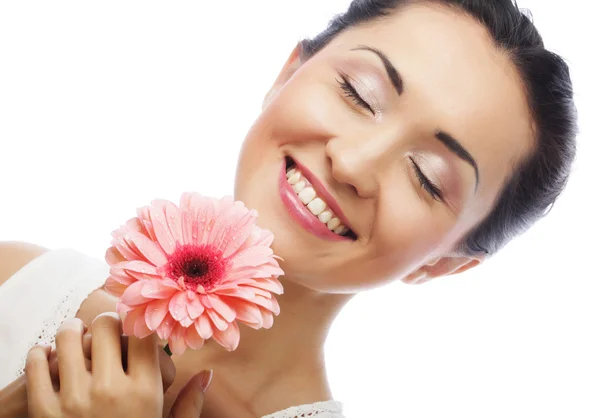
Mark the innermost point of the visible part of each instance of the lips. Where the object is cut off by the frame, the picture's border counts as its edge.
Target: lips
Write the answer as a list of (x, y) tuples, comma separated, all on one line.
[(310, 203)]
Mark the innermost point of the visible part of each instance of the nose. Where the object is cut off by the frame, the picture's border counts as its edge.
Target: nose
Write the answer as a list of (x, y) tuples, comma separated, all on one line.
[(359, 164)]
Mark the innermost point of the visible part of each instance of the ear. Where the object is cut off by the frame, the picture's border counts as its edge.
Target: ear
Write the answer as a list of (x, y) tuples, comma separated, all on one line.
[(443, 266), (292, 64)]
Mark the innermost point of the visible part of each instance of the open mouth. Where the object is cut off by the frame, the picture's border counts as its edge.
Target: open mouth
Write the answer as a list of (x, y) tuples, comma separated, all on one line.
[(316, 199)]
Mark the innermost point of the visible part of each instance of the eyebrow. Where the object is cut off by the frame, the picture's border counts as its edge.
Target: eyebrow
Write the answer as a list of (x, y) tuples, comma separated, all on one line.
[(455, 146), (450, 142), (392, 72)]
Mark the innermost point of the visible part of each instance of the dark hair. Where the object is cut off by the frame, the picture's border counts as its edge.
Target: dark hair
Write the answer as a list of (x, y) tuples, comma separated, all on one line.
[(537, 182)]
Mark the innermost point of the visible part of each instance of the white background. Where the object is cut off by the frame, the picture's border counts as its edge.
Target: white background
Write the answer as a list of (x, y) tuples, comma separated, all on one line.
[(106, 105)]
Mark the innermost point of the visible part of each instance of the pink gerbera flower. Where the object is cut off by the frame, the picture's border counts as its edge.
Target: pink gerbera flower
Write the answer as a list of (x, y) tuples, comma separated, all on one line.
[(192, 272)]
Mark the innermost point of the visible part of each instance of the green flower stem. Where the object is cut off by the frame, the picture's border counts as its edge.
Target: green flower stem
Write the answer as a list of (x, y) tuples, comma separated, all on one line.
[(167, 350)]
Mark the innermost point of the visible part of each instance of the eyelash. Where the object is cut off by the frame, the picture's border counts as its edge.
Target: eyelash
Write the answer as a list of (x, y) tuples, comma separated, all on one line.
[(353, 94), (426, 184)]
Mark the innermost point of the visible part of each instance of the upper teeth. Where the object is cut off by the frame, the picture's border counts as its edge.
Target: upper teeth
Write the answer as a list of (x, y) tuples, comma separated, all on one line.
[(315, 204)]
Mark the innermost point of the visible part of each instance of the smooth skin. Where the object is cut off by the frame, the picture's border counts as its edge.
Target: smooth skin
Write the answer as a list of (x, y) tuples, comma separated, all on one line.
[(109, 388), (454, 80)]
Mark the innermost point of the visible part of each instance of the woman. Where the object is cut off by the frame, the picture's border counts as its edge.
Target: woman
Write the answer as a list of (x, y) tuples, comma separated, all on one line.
[(409, 140)]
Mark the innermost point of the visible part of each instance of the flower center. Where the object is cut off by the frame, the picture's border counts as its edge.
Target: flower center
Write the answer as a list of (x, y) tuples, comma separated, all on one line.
[(197, 266)]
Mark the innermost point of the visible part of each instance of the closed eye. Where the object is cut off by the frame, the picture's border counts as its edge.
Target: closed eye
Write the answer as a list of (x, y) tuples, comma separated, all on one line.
[(351, 92), (426, 184)]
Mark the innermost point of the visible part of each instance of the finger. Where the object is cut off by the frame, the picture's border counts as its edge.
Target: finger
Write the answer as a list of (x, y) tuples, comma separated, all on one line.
[(87, 346), (167, 369), (40, 392), (53, 363), (87, 349), (54, 375), (106, 346), (142, 358), (191, 398), (69, 349)]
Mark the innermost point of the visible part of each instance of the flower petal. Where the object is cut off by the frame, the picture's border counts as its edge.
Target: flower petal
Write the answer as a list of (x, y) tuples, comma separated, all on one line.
[(253, 325), (270, 284), (264, 237), (123, 309), (267, 319), (140, 329), (204, 326), (156, 312), (161, 228), (222, 308), (269, 304), (165, 329), (174, 222), (205, 216), (158, 289), (114, 287), (121, 276), (133, 295), (177, 341), (228, 338), (193, 339), (149, 249), (146, 222), (218, 322), (245, 311), (186, 227), (139, 266), (123, 247), (253, 256), (242, 292), (113, 256), (238, 239), (235, 232), (236, 274), (190, 204), (129, 323), (260, 292), (194, 306), (177, 306), (186, 322)]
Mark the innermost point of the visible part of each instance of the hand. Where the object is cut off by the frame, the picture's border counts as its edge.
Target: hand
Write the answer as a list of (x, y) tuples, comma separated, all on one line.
[(13, 397), (107, 390), (167, 368)]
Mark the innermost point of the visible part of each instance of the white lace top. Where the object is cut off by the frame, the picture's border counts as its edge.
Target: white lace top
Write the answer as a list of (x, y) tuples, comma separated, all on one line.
[(36, 299)]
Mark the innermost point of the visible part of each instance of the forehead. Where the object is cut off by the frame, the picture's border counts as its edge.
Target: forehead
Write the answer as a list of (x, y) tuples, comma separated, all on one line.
[(456, 79)]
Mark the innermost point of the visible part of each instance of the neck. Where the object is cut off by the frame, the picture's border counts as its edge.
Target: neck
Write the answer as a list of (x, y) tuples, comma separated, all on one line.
[(299, 332), (286, 360)]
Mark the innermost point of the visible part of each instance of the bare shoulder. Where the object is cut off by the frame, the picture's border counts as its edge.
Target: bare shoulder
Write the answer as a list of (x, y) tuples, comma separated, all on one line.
[(14, 255)]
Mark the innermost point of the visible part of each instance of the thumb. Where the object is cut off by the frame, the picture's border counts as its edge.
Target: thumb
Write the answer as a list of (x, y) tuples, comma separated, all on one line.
[(191, 398)]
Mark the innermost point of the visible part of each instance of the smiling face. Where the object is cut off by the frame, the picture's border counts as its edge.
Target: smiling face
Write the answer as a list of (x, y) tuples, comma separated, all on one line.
[(404, 130)]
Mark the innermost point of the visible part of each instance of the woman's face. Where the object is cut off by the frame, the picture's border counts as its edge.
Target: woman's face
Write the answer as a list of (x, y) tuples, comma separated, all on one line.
[(404, 130)]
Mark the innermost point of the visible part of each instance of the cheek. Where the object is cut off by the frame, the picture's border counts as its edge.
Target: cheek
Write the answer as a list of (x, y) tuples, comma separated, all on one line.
[(410, 229), (305, 110)]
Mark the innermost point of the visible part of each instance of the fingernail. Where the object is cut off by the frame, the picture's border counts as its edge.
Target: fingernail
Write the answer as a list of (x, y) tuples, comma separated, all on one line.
[(111, 314), (205, 379)]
